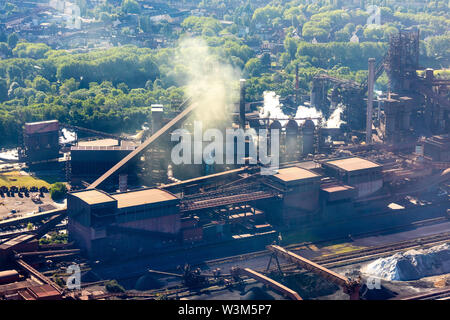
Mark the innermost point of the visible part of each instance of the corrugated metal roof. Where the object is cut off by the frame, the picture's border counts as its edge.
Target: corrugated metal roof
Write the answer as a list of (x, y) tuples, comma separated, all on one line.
[(140, 197), (44, 291), (353, 164)]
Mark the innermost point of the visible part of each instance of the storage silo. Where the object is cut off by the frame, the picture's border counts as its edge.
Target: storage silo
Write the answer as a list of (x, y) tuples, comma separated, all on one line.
[(308, 137), (291, 138)]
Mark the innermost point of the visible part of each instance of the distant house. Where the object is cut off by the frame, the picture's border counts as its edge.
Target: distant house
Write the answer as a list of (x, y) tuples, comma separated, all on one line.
[(161, 17), (354, 38)]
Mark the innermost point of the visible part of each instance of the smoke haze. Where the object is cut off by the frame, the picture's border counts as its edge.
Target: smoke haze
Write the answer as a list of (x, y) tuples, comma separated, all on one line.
[(209, 82)]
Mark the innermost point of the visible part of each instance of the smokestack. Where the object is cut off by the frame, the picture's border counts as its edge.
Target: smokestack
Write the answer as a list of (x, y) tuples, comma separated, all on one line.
[(370, 82), (123, 182), (157, 117), (242, 103), (296, 84)]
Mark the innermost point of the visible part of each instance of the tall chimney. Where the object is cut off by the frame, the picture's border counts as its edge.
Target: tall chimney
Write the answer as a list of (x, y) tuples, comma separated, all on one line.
[(296, 84), (157, 117), (242, 103), (370, 82)]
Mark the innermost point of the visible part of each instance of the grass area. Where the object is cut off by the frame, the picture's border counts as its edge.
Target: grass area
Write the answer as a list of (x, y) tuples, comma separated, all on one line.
[(341, 248), (14, 178), (296, 236), (49, 179)]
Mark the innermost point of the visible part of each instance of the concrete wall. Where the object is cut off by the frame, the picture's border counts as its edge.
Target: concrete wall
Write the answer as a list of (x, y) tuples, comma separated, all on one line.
[(368, 188), (168, 224)]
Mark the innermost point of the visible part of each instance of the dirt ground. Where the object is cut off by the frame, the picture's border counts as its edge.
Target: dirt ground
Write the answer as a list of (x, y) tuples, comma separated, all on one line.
[(22, 205)]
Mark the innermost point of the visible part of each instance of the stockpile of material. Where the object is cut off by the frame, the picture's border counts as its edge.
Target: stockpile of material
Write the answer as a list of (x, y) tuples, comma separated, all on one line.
[(412, 264)]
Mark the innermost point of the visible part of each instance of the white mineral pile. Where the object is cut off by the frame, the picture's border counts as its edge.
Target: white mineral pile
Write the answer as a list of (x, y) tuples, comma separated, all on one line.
[(412, 264)]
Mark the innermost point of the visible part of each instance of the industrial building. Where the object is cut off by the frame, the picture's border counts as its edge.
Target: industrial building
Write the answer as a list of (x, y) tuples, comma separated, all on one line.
[(40, 141), (364, 175), (154, 219), (301, 193), (327, 178), (132, 222), (437, 148), (88, 159)]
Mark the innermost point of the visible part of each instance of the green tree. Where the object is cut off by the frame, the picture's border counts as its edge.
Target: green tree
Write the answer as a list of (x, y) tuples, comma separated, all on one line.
[(13, 38), (68, 86), (4, 49), (3, 90), (291, 47), (41, 84), (31, 50), (253, 67), (130, 6), (58, 191)]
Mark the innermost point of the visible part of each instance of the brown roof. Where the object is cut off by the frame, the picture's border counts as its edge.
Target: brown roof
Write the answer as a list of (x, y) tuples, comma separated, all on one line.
[(294, 174), (353, 164), (99, 143), (44, 291), (140, 197), (337, 188), (93, 196)]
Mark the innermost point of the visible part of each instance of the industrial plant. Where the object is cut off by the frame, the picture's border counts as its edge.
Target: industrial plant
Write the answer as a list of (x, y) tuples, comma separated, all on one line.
[(131, 210)]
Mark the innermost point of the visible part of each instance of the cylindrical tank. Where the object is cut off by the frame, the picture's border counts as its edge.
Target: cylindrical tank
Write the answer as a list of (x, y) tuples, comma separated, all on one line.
[(275, 125), (291, 137), (308, 137)]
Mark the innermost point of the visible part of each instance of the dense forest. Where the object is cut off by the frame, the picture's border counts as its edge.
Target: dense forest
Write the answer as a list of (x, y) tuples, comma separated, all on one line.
[(112, 89)]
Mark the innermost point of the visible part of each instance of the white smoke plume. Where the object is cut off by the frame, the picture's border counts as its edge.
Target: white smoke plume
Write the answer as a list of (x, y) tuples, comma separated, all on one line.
[(272, 109), (209, 82), (334, 121)]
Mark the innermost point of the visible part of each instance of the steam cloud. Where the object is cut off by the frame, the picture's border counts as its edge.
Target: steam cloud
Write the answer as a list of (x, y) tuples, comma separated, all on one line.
[(208, 81), (272, 109)]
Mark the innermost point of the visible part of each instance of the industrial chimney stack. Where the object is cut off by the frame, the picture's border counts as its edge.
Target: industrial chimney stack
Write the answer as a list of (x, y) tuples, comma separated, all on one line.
[(242, 104), (370, 82)]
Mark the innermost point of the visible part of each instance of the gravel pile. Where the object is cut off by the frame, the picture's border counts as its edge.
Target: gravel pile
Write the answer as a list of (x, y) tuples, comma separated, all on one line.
[(412, 264)]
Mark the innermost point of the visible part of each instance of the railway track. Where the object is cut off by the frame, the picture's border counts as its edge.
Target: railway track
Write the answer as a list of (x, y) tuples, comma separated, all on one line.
[(390, 248), (443, 294), (326, 261), (336, 258)]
